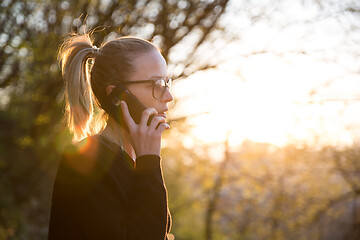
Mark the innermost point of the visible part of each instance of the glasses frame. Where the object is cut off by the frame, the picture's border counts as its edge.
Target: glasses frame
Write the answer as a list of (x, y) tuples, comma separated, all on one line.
[(167, 81)]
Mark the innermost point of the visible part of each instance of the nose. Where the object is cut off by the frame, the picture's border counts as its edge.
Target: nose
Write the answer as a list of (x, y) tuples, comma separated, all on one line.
[(167, 96)]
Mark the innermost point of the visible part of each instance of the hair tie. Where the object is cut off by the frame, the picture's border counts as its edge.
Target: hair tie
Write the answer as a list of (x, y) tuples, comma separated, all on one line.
[(95, 49)]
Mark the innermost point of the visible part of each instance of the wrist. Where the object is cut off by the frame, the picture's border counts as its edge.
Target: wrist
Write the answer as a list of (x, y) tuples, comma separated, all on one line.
[(147, 152), (147, 162)]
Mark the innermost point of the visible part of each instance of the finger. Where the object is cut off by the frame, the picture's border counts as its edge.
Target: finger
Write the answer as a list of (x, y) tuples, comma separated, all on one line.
[(162, 127), (156, 120), (146, 114), (127, 117)]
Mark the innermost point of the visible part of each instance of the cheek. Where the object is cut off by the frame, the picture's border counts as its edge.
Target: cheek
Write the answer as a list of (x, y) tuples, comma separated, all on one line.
[(148, 101)]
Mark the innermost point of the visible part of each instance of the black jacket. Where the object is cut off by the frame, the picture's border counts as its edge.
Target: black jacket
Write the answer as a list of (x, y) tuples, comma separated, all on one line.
[(100, 193)]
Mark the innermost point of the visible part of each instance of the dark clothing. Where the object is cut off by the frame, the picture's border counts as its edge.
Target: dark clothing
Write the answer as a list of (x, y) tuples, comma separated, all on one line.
[(100, 193)]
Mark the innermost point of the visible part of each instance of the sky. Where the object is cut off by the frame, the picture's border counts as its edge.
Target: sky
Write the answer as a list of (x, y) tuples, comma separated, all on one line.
[(303, 87)]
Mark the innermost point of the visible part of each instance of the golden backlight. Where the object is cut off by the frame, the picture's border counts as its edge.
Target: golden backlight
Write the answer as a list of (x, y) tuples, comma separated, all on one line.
[(271, 102)]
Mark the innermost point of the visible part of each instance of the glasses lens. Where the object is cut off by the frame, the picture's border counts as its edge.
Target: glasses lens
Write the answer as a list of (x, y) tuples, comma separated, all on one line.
[(159, 88)]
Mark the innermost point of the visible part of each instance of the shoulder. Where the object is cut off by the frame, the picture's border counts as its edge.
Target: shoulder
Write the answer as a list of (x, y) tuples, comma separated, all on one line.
[(88, 160), (93, 156), (82, 157), (86, 164)]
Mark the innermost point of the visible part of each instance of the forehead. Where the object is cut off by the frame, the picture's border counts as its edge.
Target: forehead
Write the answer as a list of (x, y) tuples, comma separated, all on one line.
[(149, 65)]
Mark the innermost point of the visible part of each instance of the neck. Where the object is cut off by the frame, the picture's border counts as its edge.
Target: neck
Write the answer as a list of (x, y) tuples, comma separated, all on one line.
[(118, 135)]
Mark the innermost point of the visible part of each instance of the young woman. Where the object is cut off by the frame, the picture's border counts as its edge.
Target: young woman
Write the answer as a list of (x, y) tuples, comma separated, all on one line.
[(109, 185)]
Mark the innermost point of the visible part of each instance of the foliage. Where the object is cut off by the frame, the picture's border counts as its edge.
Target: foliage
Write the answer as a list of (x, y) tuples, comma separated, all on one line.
[(33, 133), (267, 192)]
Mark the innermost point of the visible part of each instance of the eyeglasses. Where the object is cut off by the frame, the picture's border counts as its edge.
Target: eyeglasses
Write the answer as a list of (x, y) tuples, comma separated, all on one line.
[(158, 86)]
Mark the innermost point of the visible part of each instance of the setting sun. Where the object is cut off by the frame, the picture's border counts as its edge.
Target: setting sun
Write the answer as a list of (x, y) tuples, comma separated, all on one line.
[(273, 103)]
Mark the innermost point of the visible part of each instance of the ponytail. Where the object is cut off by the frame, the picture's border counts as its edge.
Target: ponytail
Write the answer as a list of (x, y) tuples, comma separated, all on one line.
[(73, 56)]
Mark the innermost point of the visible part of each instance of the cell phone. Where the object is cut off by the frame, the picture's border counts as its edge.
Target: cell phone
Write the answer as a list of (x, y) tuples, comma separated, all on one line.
[(113, 108)]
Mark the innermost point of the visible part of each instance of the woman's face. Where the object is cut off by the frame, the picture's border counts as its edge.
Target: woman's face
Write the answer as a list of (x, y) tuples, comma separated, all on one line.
[(150, 66)]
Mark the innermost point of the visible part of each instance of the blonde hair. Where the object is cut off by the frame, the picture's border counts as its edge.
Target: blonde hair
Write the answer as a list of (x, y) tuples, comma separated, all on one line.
[(88, 70)]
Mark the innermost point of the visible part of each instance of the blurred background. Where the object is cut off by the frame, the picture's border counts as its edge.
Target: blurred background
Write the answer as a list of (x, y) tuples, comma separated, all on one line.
[(265, 130)]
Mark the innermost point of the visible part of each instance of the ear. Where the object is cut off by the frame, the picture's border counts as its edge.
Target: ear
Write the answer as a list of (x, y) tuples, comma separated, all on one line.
[(109, 89)]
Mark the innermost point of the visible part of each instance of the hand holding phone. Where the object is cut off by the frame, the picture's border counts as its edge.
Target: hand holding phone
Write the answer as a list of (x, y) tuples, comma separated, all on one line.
[(146, 139)]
